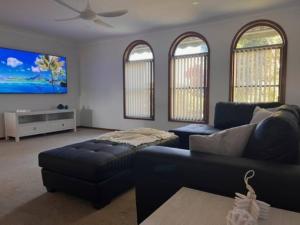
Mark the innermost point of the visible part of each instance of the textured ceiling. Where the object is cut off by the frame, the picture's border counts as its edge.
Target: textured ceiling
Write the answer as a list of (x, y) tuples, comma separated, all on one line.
[(40, 15)]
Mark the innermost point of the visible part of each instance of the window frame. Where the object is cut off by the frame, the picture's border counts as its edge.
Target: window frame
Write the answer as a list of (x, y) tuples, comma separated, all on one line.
[(172, 50), (126, 55), (283, 56)]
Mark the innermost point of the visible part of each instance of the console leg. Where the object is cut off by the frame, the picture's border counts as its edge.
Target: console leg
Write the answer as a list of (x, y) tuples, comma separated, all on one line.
[(17, 139)]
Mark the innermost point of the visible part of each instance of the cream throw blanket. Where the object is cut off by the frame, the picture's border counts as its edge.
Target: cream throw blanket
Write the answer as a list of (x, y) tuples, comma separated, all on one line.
[(137, 137)]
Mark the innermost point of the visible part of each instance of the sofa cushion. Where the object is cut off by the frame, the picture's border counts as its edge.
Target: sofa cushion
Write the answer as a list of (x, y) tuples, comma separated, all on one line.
[(195, 129), (90, 160), (230, 142), (276, 138), (229, 114)]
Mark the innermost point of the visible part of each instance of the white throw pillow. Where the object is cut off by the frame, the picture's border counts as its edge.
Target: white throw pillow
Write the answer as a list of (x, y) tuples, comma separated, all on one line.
[(230, 142), (259, 114), (275, 109)]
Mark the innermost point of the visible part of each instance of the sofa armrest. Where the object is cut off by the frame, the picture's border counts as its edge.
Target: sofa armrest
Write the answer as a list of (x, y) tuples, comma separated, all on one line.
[(161, 171), (184, 132)]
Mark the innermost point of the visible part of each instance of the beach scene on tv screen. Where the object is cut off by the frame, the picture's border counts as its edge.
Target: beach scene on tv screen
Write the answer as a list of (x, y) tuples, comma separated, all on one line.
[(32, 73)]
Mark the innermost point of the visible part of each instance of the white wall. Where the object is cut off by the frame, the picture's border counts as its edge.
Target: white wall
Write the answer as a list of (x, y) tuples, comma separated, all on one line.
[(101, 69), (19, 39)]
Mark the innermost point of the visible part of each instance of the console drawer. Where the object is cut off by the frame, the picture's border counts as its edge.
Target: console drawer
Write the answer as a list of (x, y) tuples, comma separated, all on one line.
[(32, 129), (59, 125)]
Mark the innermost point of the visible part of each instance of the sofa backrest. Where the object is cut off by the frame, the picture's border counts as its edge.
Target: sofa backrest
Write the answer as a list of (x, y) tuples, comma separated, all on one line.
[(229, 114)]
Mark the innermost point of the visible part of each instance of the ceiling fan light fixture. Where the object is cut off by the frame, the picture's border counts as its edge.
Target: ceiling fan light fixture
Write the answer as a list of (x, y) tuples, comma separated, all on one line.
[(195, 2), (88, 15)]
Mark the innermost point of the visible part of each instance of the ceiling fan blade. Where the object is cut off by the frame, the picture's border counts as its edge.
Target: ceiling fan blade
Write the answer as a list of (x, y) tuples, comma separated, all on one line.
[(113, 13), (66, 5), (68, 19), (100, 22)]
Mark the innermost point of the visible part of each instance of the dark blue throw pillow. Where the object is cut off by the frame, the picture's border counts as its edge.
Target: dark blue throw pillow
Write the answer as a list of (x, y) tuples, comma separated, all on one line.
[(275, 139)]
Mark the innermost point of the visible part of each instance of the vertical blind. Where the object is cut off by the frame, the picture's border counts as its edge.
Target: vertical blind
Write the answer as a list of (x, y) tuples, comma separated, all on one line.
[(139, 89), (257, 74), (188, 84)]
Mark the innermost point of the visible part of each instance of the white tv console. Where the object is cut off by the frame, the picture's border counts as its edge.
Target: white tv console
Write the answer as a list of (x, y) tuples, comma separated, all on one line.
[(21, 124)]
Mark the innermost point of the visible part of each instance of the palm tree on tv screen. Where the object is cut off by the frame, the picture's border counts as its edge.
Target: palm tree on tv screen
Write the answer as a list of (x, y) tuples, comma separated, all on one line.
[(52, 64)]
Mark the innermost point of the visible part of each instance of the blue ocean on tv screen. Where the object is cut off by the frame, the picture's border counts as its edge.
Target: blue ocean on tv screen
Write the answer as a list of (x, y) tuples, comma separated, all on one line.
[(32, 73)]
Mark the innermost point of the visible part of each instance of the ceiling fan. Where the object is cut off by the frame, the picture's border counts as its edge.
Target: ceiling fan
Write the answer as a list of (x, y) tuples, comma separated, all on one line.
[(89, 14)]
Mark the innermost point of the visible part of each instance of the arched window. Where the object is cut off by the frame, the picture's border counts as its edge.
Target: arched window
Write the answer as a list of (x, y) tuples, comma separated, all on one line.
[(138, 63), (258, 61), (188, 78)]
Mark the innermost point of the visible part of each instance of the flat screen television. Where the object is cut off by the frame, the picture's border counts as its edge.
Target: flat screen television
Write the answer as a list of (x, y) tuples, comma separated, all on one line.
[(24, 72)]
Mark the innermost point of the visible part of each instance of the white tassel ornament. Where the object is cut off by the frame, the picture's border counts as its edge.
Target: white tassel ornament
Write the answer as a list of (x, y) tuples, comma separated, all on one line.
[(247, 209)]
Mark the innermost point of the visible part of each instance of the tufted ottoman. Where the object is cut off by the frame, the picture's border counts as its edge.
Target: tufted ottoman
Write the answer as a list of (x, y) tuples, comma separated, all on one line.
[(95, 170)]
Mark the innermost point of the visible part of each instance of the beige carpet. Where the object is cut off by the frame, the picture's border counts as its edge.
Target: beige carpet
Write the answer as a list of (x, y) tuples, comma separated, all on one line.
[(24, 200)]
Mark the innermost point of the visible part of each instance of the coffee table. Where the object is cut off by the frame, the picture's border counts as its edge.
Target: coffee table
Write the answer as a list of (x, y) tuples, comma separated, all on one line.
[(193, 207)]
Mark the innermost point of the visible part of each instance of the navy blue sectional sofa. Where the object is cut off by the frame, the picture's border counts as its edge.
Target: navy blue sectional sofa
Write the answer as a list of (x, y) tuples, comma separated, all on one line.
[(272, 151)]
